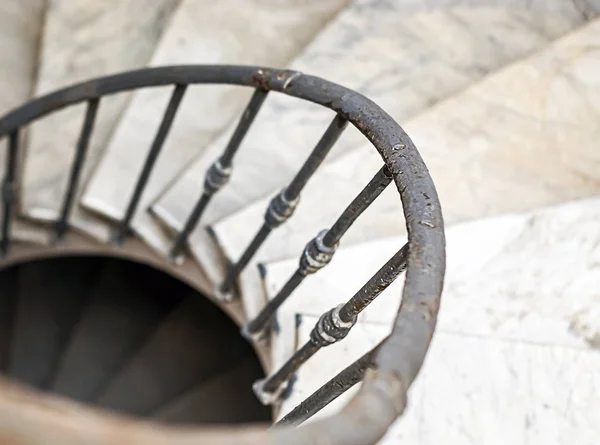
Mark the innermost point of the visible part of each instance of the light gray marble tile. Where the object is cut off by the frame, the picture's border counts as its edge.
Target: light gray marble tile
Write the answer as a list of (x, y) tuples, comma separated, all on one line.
[(522, 138), (475, 390), (84, 39), (20, 29), (404, 55), (209, 32), (526, 277)]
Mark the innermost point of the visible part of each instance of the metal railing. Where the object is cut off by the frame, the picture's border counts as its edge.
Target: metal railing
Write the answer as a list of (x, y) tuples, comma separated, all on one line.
[(395, 363)]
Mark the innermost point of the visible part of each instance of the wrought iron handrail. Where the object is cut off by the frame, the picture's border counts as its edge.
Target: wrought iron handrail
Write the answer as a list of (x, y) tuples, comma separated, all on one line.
[(397, 360)]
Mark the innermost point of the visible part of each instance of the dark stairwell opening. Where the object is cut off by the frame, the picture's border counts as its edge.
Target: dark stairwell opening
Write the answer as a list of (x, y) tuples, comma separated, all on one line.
[(125, 337)]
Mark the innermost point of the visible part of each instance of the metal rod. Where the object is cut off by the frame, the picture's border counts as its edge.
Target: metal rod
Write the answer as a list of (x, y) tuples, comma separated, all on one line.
[(77, 166), (255, 327), (330, 391), (219, 172), (377, 284), (157, 144), (316, 158), (364, 199), (319, 251), (282, 206), (8, 189), (335, 324), (234, 270)]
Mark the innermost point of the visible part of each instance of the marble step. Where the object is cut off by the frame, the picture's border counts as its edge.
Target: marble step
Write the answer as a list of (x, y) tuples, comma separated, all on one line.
[(475, 389), (181, 353), (499, 146), (405, 56), (21, 23), (83, 40), (50, 299), (227, 398), (263, 32), (115, 323), (520, 278)]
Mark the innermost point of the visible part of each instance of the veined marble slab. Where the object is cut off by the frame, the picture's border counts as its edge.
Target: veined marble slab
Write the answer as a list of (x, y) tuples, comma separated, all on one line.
[(20, 29), (84, 39), (524, 137), (403, 55), (524, 277), (262, 32), (475, 390)]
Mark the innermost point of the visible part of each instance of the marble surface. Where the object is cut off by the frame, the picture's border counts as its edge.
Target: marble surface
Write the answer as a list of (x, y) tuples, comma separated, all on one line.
[(406, 56), (475, 390), (524, 137), (20, 30), (518, 334), (84, 39), (201, 32)]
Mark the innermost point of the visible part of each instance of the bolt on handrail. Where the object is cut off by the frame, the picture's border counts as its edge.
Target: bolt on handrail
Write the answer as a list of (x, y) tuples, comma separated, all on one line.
[(399, 358)]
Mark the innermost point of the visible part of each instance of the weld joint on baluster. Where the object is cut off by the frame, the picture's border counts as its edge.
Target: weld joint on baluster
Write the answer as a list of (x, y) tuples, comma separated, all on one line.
[(330, 328), (269, 397), (280, 210), (255, 337), (226, 295), (217, 176), (316, 255)]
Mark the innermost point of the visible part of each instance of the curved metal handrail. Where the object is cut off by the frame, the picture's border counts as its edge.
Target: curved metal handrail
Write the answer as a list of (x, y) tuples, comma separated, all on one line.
[(382, 397)]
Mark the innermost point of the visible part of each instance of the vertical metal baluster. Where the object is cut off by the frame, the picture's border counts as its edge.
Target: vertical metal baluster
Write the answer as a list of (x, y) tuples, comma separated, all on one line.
[(330, 391), (161, 136), (283, 205), (219, 172), (333, 326), (319, 251), (9, 189), (77, 166)]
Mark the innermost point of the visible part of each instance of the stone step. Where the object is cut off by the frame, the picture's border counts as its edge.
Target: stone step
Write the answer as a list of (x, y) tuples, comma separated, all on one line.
[(49, 302), (497, 147), (504, 317), (405, 56), (21, 23), (474, 389), (179, 355), (520, 278), (228, 398), (207, 32), (83, 40), (115, 323)]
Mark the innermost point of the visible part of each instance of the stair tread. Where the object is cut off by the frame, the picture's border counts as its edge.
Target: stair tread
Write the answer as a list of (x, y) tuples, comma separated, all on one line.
[(228, 398), (390, 51), (83, 40), (181, 353), (114, 324), (50, 299), (491, 149), (493, 289), (494, 388), (20, 28), (201, 31)]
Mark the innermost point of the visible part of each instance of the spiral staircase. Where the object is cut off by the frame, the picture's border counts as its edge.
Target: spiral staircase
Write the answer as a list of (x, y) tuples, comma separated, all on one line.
[(192, 240)]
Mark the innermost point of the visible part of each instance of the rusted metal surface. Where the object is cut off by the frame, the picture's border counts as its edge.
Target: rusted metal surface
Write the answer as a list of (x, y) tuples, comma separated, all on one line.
[(62, 224), (36, 419), (338, 385)]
